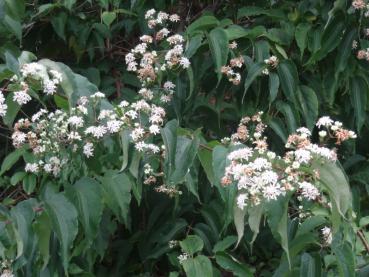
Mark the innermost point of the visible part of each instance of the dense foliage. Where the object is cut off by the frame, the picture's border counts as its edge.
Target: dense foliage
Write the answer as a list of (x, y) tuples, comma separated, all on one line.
[(184, 138)]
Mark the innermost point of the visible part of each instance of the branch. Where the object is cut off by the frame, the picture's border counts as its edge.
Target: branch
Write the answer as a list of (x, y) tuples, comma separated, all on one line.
[(363, 240)]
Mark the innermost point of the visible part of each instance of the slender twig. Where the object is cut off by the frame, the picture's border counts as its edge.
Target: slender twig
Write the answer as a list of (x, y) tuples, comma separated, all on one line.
[(363, 240), (206, 147)]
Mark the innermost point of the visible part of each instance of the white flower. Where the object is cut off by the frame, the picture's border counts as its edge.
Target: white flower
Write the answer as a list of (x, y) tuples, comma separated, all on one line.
[(261, 163), (137, 133), (168, 85), (184, 62), (76, 121), (49, 87), (174, 18), (98, 94), (123, 104), (181, 258), (271, 192), (304, 130), (308, 190), (325, 121), (322, 134), (140, 146), (302, 156), (113, 126), (74, 136), (327, 235), (96, 131), (21, 97), (240, 154), (241, 201), (3, 106), (88, 149), (154, 129), (149, 14), (31, 167)]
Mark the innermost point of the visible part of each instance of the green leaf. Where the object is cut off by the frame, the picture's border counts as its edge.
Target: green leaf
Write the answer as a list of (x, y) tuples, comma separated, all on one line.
[(239, 222), (359, 99), (11, 159), (108, 18), (192, 244), (219, 163), (254, 71), (250, 11), (125, 140), (310, 224), (74, 85), (198, 266), (255, 215), (224, 244), (309, 105), (309, 267), (29, 183), (203, 23), (345, 258), (330, 39), (86, 197), (230, 264), (186, 151), (277, 215), (288, 77), (205, 156), (61, 102), (169, 135), (58, 22), (63, 217), (345, 50), (273, 86), (17, 177), (218, 43), (301, 34), (117, 187), (42, 229), (14, 26), (69, 4), (11, 62), (289, 115), (15, 8), (335, 181)]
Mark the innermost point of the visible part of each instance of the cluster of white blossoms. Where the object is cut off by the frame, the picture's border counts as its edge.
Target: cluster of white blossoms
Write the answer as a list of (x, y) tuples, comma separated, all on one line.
[(229, 70), (5, 270), (31, 72), (151, 64), (327, 235), (261, 175), (55, 137), (3, 105), (52, 136), (272, 63), (363, 8)]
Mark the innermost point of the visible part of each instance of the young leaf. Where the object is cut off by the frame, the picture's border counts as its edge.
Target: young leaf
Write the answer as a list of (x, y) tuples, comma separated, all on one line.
[(191, 244)]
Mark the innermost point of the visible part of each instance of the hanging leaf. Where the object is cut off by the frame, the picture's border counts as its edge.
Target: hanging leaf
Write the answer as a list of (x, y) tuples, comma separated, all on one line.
[(359, 99), (273, 86), (63, 217), (309, 105), (218, 43), (288, 77), (254, 71), (301, 35)]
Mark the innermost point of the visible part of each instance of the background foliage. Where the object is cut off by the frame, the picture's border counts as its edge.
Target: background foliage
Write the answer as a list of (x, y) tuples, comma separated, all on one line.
[(92, 227)]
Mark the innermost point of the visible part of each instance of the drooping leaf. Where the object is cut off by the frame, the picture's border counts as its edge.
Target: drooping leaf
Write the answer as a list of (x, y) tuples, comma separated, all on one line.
[(63, 216), (117, 187), (218, 43), (231, 264), (359, 99), (254, 71), (288, 77), (309, 105), (86, 195)]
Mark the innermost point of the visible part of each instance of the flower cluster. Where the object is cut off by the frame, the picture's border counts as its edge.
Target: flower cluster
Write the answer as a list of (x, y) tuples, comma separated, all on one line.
[(359, 4), (5, 270), (149, 64), (3, 105), (327, 235), (35, 72), (51, 135), (229, 70), (55, 137), (261, 175), (272, 63)]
